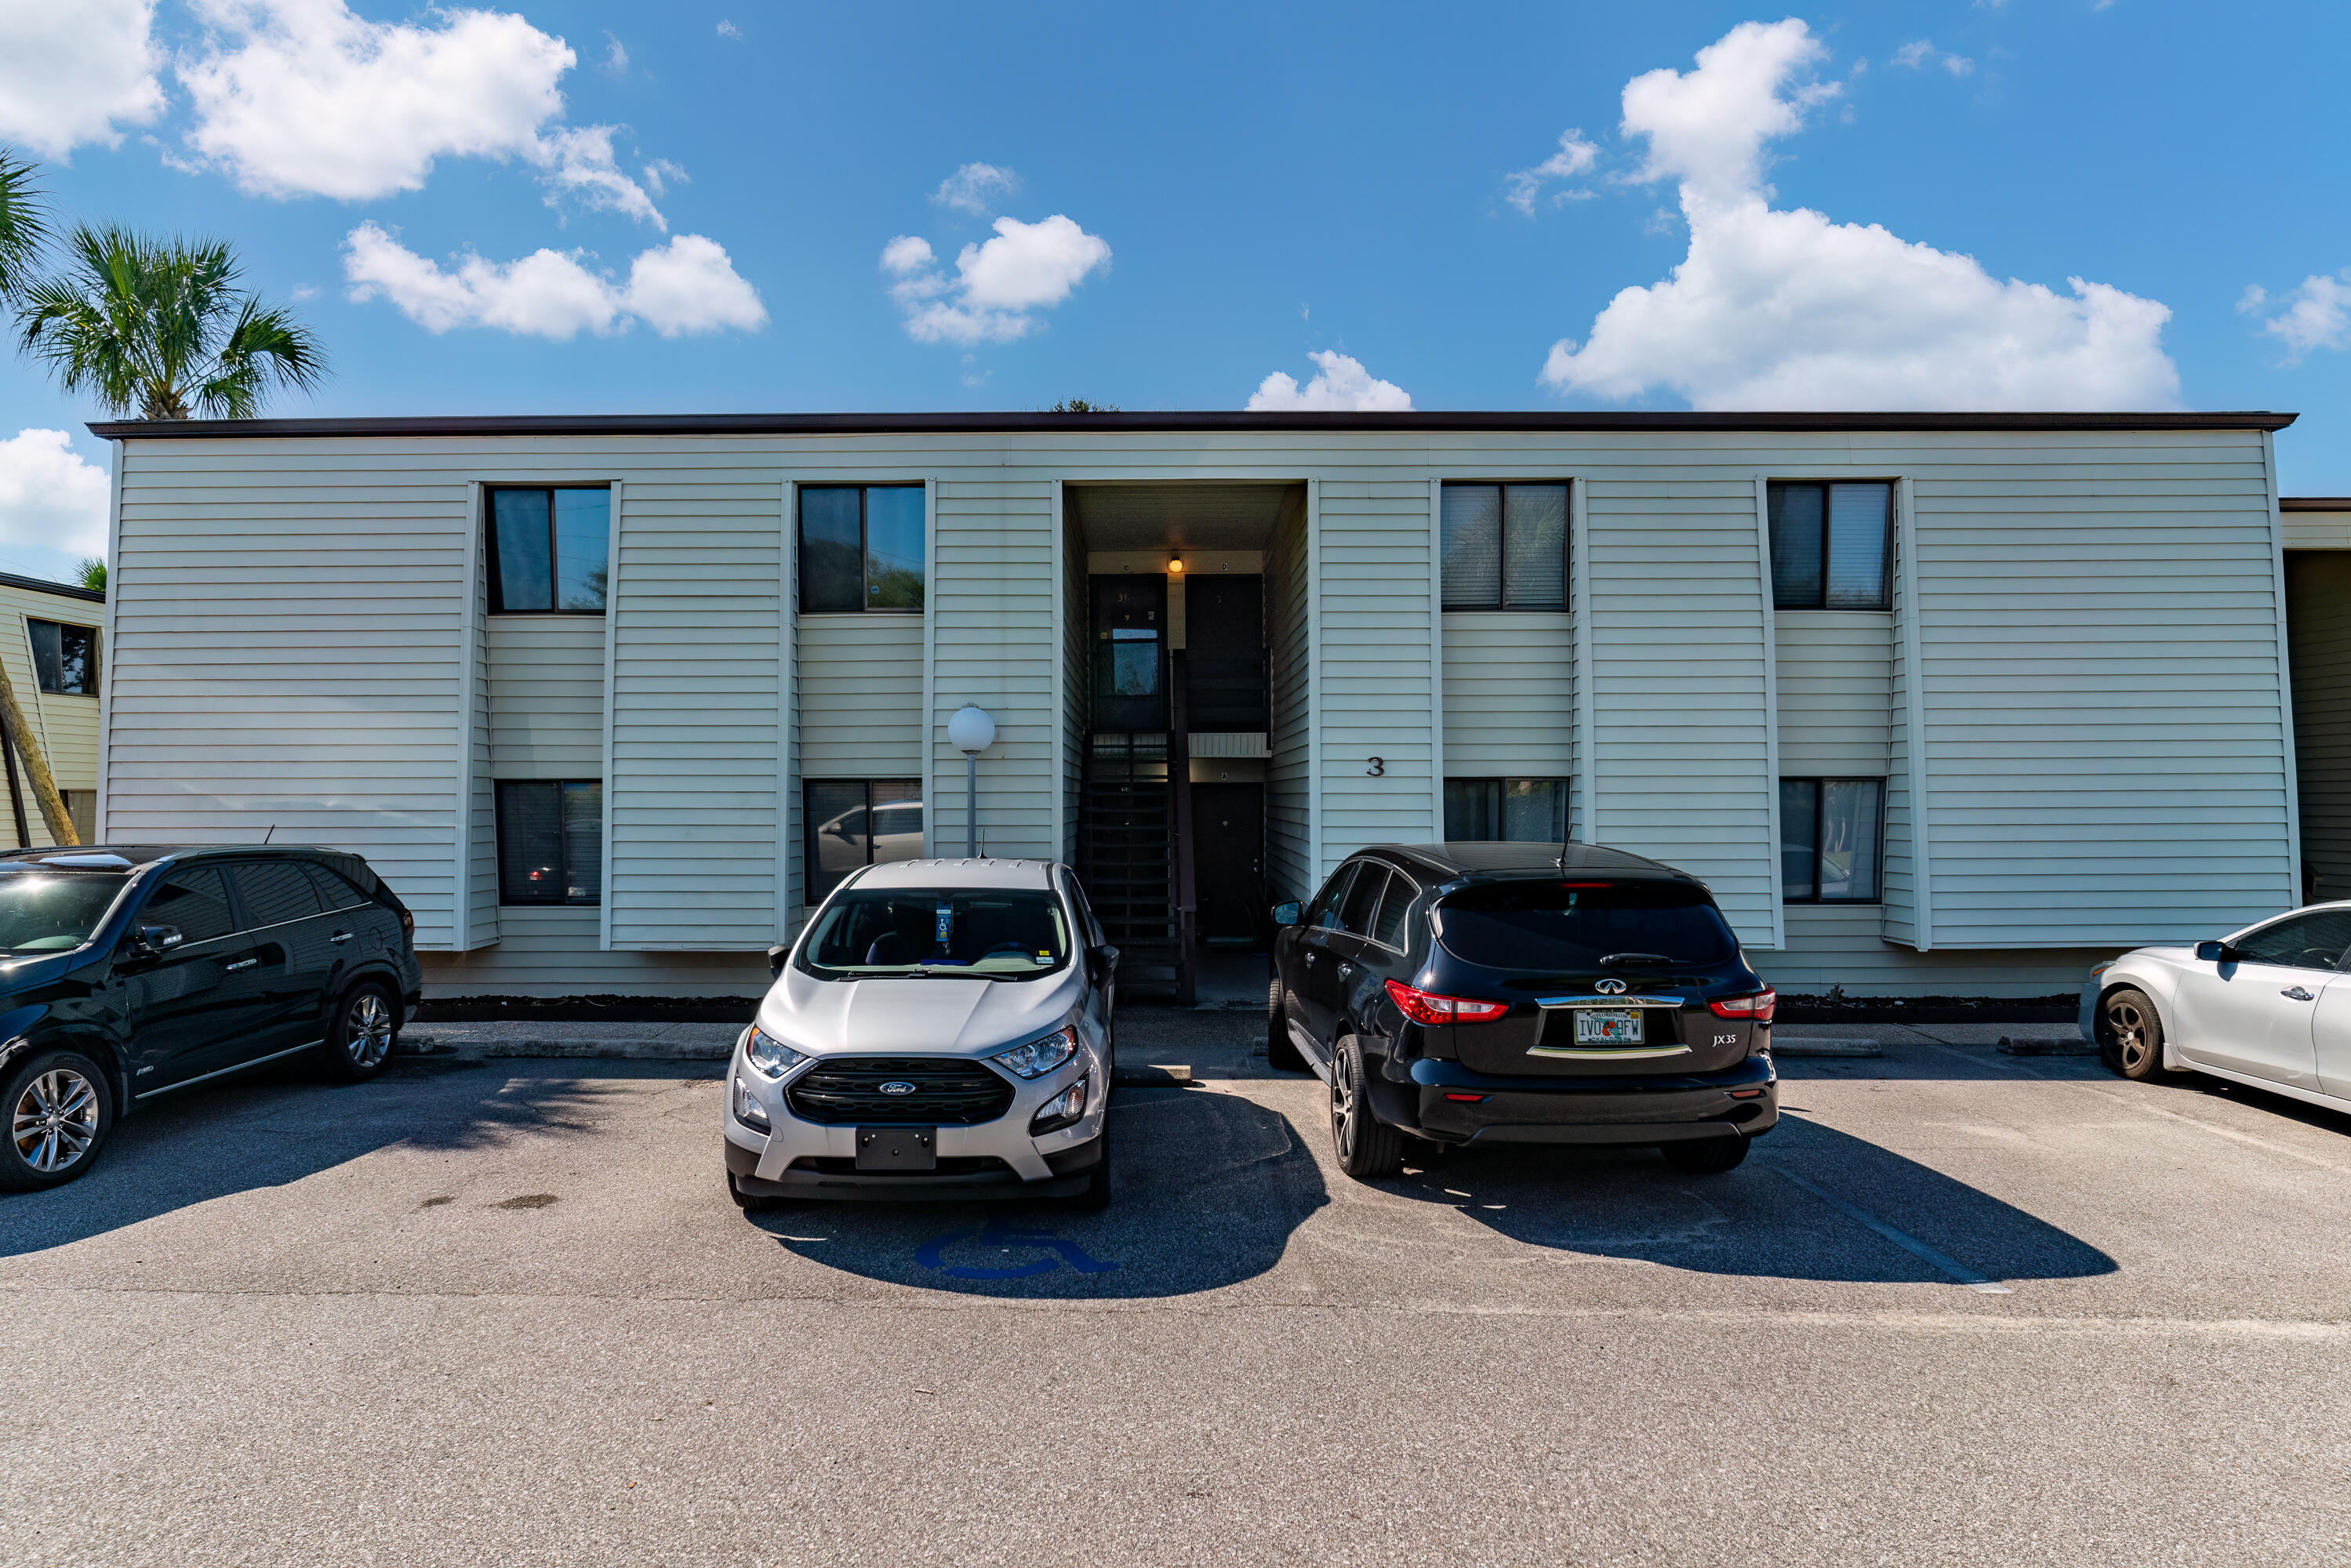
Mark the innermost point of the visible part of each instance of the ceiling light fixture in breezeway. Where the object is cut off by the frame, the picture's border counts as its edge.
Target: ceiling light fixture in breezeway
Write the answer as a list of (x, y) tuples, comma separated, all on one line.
[(971, 732)]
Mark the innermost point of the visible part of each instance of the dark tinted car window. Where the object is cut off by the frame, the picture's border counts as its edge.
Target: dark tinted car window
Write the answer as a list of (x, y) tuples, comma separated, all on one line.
[(274, 892), (195, 900), (45, 911), (2313, 941), (333, 892), (1324, 911), (1363, 898), (1548, 925), (1388, 928)]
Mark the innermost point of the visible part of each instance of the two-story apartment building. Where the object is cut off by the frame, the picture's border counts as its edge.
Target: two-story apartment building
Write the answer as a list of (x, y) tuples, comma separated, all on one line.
[(53, 646), (1937, 704)]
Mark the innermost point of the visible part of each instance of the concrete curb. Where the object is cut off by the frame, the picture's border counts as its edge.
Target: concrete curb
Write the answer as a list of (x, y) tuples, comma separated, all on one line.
[(1818, 1045)]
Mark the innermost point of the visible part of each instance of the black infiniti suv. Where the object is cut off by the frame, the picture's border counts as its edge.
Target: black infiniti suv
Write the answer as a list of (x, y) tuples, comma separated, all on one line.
[(1510, 993)]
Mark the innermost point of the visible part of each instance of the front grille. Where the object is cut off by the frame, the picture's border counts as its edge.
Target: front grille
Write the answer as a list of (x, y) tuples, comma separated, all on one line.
[(948, 1166), (949, 1092)]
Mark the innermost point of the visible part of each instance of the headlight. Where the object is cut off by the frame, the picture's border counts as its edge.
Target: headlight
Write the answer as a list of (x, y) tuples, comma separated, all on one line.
[(1039, 1057), (769, 1055), (747, 1109)]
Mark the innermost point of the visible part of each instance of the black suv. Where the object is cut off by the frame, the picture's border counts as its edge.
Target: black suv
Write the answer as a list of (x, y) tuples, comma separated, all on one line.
[(1493, 993), (127, 971)]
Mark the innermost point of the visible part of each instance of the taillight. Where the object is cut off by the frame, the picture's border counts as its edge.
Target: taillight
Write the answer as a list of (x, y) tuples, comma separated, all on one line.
[(1428, 1007), (407, 925), (1756, 1009)]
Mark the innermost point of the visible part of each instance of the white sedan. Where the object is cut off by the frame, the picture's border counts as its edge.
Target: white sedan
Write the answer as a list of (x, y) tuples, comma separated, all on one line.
[(2269, 1006)]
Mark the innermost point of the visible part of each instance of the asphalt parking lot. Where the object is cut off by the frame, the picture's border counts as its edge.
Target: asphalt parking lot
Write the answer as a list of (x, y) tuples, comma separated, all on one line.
[(1959, 1307)]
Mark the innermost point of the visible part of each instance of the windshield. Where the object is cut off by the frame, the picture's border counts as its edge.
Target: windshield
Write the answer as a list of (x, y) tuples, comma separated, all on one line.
[(1002, 934), (1576, 924), (49, 911)]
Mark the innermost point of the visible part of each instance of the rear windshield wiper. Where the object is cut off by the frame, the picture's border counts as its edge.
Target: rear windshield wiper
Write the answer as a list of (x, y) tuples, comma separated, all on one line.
[(1609, 960)]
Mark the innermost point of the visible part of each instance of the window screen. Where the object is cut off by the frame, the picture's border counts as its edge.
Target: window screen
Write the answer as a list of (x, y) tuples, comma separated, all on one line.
[(1831, 834), (1363, 899), (194, 900), (854, 822), (65, 657), (1830, 545), (551, 841), (860, 547), (275, 891), (1503, 546), (549, 550), (1505, 810)]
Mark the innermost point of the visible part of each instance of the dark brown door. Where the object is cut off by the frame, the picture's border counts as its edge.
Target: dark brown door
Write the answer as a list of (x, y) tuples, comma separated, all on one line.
[(1228, 861), (1130, 655)]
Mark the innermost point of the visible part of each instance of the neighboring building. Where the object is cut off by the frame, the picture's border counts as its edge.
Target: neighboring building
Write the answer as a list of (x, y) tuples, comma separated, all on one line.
[(1936, 703), (52, 643), (2317, 538)]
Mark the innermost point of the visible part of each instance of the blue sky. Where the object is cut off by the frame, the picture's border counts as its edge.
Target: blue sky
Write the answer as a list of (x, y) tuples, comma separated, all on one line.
[(1200, 198)]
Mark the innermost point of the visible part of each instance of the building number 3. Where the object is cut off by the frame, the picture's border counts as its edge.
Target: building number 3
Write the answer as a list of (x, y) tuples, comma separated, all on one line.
[(1377, 769)]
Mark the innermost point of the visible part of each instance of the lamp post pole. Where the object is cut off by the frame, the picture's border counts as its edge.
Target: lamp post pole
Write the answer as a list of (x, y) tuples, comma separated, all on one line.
[(971, 805), (971, 732)]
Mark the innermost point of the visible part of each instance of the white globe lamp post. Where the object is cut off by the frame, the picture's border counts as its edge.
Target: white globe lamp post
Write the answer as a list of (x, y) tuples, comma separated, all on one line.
[(971, 732)]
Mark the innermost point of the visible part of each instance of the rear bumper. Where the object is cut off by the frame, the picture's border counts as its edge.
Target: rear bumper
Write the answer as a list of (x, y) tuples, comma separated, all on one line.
[(1739, 1101)]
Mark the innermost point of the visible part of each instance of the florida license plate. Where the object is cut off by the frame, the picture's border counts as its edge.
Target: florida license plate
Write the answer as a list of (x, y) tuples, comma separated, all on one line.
[(897, 1149), (1593, 1027)]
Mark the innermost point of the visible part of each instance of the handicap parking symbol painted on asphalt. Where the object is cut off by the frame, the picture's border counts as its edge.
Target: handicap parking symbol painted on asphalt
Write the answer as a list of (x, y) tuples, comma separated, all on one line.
[(932, 1254)]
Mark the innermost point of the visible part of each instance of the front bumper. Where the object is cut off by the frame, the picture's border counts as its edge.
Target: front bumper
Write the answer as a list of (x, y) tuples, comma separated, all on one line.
[(1653, 1108), (1000, 1159)]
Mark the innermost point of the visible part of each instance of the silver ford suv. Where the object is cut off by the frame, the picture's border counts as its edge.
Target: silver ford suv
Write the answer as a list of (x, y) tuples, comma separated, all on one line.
[(941, 1028)]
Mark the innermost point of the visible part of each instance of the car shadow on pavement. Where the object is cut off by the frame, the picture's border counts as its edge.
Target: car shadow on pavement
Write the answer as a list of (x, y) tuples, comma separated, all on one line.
[(1788, 1213), (279, 1124), (1206, 1191)]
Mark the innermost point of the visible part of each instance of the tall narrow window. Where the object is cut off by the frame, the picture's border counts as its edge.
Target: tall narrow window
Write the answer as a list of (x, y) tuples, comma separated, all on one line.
[(1503, 546), (1830, 545), (65, 657), (549, 550), (1505, 810), (854, 822), (860, 547), (1831, 834), (551, 841)]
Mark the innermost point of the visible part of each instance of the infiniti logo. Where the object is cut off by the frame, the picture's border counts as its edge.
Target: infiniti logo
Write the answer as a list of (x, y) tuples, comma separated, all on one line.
[(899, 1086), (1605, 988)]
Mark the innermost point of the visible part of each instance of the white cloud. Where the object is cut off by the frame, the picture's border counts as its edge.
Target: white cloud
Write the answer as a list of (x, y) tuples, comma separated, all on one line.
[(616, 56), (50, 499), (660, 173), (1340, 383), (972, 188), (685, 286), (2315, 315), (998, 286), (729, 30), (73, 74), (1921, 52), (1574, 156), (302, 97), (1775, 309)]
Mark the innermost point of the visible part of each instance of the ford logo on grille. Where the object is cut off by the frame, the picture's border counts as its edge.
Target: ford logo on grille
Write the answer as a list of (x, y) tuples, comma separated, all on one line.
[(1605, 988), (899, 1086)]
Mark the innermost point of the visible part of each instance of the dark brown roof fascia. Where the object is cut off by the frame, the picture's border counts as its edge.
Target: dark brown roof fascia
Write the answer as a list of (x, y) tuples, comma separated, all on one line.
[(2314, 503), (42, 585), (1202, 421)]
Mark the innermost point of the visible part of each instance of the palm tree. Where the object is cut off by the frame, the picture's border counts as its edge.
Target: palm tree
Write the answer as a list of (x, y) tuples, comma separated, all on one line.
[(24, 222), (159, 330)]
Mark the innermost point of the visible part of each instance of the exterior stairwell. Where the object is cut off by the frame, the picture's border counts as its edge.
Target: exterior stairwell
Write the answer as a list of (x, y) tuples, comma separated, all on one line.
[(1124, 856)]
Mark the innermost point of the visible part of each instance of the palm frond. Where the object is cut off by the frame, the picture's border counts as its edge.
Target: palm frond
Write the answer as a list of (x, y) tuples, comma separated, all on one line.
[(266, 348), (24, 222)]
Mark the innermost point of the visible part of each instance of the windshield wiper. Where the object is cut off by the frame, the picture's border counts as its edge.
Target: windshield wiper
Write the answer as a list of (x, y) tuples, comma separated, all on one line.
[(1609, 960)]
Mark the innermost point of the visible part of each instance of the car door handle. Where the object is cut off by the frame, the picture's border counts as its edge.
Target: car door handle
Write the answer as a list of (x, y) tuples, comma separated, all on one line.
[(1346, 969), (2297, 993), (241, 964), (339, 937), (1310, 958)]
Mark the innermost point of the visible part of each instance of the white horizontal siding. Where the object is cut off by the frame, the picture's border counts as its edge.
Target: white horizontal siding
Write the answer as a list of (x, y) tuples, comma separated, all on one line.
[(1510, 695), (63, 726), (991, 599), (1837, 693), (1375, 686), (860, 697), (1839, 944), (545, 951), (547, 696)]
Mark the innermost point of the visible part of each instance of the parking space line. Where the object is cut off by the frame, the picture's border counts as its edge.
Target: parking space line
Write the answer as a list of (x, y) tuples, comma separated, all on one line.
[(1904, 1240)]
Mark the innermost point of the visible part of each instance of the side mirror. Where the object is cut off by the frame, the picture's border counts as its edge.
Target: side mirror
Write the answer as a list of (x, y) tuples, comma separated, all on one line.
[(1102, 962), (2215, 953), (776, 958), (1287, 914), (159, 938)]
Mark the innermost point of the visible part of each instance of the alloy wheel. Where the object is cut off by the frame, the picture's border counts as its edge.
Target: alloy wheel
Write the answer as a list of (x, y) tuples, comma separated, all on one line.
[(54, 1120), (368, 1033), (2126, 1028), (1343, 1109)]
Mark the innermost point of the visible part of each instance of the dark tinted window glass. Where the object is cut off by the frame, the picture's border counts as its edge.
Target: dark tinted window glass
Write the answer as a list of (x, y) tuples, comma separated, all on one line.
[(583, 539), (1850, 822), (1565, 925), (195, 900), (274, 892), (893, 547), (1799, 544), (583, 841), (523, 548), (1505, 810), (43, 911), (1800, 835), (551, 841), (1469, 545), (2315, 941), (1534, 534), (1860, 518), (853, 822), (334, 892), (1389, 927), (64, 658), (1324, 910), (1363, 898), (832, 550)]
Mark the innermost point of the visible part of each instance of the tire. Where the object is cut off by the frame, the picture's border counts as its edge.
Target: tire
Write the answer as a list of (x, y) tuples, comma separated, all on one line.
[(1280, 1053), (1366, 1145), (1707, 1157), (361, 1033), (2130, 1036), (1096, 1197), (747, 1202), (60, 1109)]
